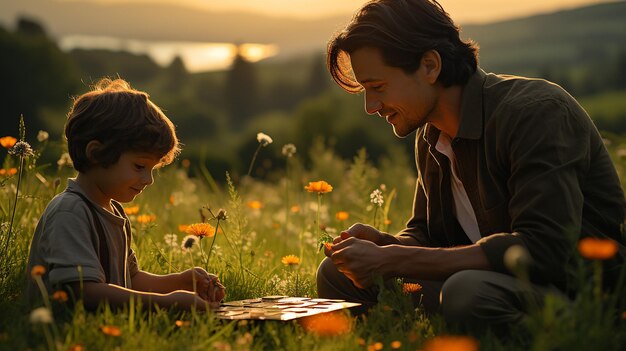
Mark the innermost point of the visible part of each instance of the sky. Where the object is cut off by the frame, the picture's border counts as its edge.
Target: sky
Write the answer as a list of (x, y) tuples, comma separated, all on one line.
[(462, 11)]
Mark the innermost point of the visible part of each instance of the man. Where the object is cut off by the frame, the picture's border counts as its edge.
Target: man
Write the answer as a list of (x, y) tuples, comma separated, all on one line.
[(502, 162)]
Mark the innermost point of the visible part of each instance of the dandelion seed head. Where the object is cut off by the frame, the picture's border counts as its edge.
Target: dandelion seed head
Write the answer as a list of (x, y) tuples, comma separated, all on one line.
[(264, 139), (376, 197), (221, 215), (171, 240), (289, 150), (65, 160), (188, 242), (41, 315), (21, 149), (42, 136)]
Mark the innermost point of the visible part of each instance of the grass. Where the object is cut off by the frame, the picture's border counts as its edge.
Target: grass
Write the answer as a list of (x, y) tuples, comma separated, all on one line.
[(261, 229)]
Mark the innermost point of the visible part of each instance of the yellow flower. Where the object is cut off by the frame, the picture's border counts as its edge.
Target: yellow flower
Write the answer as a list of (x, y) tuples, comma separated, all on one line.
[(396, 344), (451, 343), (319, 187), (7, 142), (290, 260), (409, 288), (201, 230), (342, 215), (37, 271), (327, 324), (60, 296), (131, 210), (255, 205), (111, 330), (145, 218), (597, 249)]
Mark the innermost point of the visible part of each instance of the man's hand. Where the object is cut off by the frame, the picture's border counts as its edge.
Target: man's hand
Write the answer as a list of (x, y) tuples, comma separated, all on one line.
[(363, 232), (359, 259)]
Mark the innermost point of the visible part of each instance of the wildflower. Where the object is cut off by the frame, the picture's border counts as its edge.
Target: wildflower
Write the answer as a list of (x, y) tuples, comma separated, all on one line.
[(37, 271), (181, 324), (188, 242), (171, 239), (387, 221), (255, 205), (327, 324), (7, 142), (329, 246), (65, 160), (145, 218), (186, 163), (289, 150), (183, 228), (295, 208), (10, 172), (409, 288), (201, 230), (319, 187), (221, 215), (597, 249), (60, 296), (448, 342), (131, 210), (360, 341), (111, 330), (21, 149), (263, 139), (396, 344), (376, 197), (41, 315), (42, 136), (342, 215), (375, 346), (290, 260), (77, 347)]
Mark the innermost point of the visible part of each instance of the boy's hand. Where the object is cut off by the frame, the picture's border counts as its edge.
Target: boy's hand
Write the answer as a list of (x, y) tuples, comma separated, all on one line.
[(207, 285)]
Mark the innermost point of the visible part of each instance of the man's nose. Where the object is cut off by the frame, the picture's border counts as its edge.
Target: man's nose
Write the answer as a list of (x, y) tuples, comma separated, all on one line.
[(372, 104)]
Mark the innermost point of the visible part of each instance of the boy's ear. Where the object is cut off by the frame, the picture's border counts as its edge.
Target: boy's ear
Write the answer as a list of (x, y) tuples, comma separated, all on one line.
[(91, 148)]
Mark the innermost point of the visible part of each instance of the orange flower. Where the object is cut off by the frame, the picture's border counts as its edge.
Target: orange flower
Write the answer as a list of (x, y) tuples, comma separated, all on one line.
[(9, 172), (329, 246), (77, 347), (181, 324), (360, 341), (183, 227), (37, 271), (201, 230), (396, 344), (319, 187), (375, 346), (145, 218), (409, 288), (60, 296), (111, 330), (131, 210), (295, 208), (255, 205), (387, 221), (327, 324), (342, 215), (451, 343), (7, 142), (186, 163), (290, 260), (597, 249)]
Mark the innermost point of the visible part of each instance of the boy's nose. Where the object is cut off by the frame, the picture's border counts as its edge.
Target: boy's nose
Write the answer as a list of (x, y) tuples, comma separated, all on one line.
[(148, 178)]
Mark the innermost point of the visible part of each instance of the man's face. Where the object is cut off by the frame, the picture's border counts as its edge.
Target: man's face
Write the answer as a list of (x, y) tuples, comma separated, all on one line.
[(406, 101)]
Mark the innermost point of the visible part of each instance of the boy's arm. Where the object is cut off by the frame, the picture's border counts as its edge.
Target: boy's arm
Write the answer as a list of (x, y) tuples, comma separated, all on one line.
[(94, 293), (206, 285)]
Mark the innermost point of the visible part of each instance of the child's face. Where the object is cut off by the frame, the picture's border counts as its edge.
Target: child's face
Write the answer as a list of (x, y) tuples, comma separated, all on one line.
[(128, 176)]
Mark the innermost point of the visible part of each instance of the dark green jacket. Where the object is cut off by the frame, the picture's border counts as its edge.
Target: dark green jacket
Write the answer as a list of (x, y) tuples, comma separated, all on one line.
[(536, 172)]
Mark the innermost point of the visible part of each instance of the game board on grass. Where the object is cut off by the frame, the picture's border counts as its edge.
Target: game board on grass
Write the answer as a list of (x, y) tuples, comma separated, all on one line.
[(280, 308)]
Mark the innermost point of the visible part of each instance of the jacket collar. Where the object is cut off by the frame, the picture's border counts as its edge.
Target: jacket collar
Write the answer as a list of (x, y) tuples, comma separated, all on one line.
[(471, 126)]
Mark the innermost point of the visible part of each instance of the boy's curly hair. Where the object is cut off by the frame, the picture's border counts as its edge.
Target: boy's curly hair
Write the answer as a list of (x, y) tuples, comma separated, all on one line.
[(121, 119)]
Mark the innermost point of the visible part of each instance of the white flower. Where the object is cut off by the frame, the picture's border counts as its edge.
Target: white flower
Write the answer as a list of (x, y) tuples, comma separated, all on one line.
[(41, 315), (289, 150), (171, 239), (21, 149), (188, 242), (65, 160), (376, 197), (42, 136), (264, 139)]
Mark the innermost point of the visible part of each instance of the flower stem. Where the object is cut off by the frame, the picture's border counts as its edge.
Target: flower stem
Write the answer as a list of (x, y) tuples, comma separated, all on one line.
[(217, 225), (17, 192), (254, 158)]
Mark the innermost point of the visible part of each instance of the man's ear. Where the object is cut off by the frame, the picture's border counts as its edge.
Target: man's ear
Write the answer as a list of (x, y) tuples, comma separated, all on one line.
[(91, 148), (431, 62)]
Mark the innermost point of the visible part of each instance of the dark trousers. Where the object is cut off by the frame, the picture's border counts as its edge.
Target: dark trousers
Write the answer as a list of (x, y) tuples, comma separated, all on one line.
[(473, 299)]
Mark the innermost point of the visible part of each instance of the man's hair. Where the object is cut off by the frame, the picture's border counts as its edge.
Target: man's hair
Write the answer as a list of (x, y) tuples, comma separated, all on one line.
[(122, 119), (403, 30)]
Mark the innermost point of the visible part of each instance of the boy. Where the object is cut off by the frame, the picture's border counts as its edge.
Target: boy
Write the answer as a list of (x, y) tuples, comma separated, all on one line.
[(116, 137)]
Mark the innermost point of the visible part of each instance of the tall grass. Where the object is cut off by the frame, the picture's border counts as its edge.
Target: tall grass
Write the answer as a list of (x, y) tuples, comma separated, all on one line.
[(247, 256)]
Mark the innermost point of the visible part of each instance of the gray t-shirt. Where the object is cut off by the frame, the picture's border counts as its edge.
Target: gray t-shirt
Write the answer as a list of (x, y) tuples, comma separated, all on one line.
[(66, 238)]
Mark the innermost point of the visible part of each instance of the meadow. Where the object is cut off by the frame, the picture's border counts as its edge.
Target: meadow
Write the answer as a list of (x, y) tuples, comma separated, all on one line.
[(268, 245)]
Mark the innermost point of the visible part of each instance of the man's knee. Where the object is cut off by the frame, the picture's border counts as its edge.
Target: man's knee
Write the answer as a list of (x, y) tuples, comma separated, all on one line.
[(459, 295), (326, 274)]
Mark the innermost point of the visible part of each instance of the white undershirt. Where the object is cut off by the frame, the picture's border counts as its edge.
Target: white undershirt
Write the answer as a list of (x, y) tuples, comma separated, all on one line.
[(462, 205)]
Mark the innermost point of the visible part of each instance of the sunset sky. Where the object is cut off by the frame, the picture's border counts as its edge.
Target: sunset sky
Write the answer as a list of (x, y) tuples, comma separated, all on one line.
[(464, 11)]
